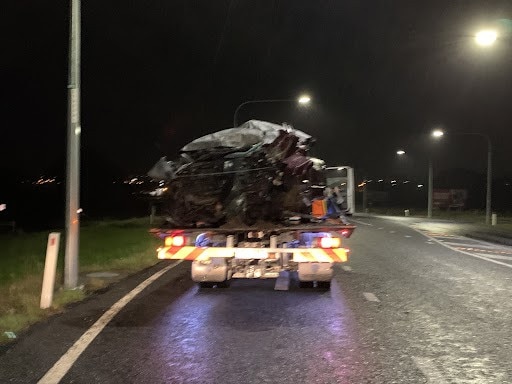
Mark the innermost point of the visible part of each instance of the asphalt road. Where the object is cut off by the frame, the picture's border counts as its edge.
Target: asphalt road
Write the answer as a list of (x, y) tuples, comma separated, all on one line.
[(407, 308)]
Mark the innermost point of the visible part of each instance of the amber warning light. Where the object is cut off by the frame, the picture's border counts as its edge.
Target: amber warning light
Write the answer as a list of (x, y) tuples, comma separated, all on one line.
[(175, 241)]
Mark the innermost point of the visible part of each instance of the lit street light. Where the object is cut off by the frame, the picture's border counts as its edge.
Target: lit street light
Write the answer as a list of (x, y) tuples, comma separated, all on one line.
[(400, 152), (436, 133), (302, 100), (486, 38)]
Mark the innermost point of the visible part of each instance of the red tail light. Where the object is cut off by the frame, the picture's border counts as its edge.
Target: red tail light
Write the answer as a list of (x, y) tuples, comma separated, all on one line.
[(347, 232)]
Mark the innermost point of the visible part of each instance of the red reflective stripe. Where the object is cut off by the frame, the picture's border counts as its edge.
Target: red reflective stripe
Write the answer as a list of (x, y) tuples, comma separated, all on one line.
[(192, 255), (332, 255), (173, 250)]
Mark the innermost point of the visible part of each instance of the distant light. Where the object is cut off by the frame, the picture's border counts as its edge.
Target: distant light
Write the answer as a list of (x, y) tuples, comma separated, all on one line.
[(437, 133), (304, 99), (407, 181), (420, 185), (79, 210), (486, 38), (380, 180), (3, 207), (400, 152), (393, 181)]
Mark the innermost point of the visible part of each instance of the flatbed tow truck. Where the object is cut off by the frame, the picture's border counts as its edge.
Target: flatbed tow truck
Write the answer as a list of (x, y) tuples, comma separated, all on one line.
[(219, 255)]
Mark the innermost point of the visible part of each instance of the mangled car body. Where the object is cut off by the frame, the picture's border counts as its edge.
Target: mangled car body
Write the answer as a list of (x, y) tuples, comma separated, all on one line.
[(256, 172)]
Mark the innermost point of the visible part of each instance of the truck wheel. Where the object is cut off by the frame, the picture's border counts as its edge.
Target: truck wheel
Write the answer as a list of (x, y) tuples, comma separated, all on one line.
[(305, 284), (224, 284), (324, 285), (205, 284)]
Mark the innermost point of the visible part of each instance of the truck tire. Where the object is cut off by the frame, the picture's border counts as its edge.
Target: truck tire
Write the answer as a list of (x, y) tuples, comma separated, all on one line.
[(305, 284), (224, 284), (324, 285)]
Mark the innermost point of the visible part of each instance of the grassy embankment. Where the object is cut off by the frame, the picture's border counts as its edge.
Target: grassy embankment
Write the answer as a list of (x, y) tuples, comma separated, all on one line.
[(118, 246)]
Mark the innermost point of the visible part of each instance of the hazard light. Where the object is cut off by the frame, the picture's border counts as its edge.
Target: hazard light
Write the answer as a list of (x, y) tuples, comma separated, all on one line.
[(175, 241), (329, 242)]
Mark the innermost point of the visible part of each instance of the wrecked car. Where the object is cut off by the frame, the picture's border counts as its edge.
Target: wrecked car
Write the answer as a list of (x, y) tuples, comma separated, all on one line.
[(259, 171)]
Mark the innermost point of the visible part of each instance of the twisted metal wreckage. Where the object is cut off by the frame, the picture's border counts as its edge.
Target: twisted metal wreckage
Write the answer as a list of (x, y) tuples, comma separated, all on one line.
[(256, 172)]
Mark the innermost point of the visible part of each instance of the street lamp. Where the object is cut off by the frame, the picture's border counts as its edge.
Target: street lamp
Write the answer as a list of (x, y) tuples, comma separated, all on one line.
[(302, 100), (401, 152), (436, 133), (489, 172), (486, 37)]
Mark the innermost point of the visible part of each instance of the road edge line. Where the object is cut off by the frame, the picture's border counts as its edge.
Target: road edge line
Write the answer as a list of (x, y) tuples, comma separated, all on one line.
[(55, 374), (458, 250)]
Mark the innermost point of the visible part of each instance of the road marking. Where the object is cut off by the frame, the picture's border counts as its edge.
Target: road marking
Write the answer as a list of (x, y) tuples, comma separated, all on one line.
[(407, 236), (380, 228), (427, 367), (464, 252), (361, 222), (346, 268), (62, 366), (371, 297), (392, 231), (499, 257)]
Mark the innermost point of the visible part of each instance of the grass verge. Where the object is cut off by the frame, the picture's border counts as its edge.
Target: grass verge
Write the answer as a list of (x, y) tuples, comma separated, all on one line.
[(123, 247)]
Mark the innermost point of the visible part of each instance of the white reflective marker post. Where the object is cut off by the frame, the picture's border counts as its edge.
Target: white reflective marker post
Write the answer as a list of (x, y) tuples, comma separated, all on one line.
[(50, 267)]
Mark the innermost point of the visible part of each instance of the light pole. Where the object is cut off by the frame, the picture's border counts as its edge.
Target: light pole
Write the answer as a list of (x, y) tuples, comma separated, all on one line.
[(488, 194), (430, 188), (303, 100), (73, 152)]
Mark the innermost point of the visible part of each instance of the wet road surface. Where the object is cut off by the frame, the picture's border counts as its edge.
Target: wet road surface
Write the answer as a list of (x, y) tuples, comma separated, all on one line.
[(405, 309)]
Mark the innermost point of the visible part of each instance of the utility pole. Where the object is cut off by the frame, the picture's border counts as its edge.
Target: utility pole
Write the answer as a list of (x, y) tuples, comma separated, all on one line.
[(489, 182), (430, 187), (73, 152)]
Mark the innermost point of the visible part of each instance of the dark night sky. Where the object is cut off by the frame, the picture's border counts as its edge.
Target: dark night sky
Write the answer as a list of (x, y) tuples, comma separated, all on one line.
[(156, 74)]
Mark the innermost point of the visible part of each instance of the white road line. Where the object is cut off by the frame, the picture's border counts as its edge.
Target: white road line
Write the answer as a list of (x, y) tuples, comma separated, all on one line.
[(346, 268), (475, 245), (62, 366), (427, 367), (392, 231), (380, 228), (499, 257), (464, 252), (407, 236), (371, 297), (361, 222)]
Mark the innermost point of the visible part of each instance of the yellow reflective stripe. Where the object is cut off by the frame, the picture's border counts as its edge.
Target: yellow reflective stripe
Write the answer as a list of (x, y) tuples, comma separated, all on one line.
[(321, 256), (342, 254)]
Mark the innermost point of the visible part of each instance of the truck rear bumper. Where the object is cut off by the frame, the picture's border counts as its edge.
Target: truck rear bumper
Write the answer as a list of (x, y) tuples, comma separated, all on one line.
[(315, 271)]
